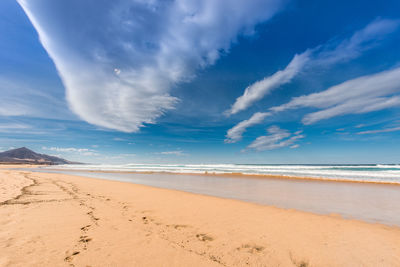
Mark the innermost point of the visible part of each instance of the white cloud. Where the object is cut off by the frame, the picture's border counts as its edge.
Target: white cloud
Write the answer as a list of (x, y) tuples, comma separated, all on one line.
[(276, 138), (259, 89), (81, 151), (361, 95), (324, 55), (66, 149), (359, 42), (19, 98), (117, 71), (128, 155), (119, 139), (387, 130), (353, 106), (174, 153), (235, 134), (119, 60), (90, 153), (13, 126)]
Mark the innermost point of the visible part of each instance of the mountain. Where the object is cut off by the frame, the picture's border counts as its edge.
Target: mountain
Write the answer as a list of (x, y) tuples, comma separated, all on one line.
[(24, 155)]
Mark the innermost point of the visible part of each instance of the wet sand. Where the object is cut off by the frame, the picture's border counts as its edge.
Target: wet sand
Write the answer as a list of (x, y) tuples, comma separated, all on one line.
[(62, 220), (371, 202)]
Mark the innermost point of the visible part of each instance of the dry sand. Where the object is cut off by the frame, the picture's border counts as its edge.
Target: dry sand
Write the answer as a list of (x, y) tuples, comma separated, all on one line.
[(62, 220)]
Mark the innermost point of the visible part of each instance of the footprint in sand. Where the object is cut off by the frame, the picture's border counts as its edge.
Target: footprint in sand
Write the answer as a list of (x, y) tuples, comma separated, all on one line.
[(204, 237), (85, 228), (251, 248), (69, 258), (177, 226), (85, 239)]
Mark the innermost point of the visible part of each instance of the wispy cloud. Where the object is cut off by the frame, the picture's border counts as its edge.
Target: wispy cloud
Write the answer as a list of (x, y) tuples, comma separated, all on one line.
[(173, 153), (361, 41), (19, 128), (324, 55), (125, 156), (235, 134), (119, 139), (21, 99), (13, 126), (81, 151), (120, 77), (387, 130), (361, 95), (276, 138), (259, 89)]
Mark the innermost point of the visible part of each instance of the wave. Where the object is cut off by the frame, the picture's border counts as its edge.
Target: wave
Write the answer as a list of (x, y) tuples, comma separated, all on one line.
[(385, 173)]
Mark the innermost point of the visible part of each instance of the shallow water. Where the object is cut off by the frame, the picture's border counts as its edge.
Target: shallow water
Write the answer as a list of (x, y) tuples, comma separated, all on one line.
[(369, 202)]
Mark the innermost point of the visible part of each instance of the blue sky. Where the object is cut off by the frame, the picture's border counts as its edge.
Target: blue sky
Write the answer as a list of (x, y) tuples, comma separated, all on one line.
[(278, 81)]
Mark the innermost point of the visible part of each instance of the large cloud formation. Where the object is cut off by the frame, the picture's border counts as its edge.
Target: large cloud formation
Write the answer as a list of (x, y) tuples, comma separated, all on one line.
[(119, 59)]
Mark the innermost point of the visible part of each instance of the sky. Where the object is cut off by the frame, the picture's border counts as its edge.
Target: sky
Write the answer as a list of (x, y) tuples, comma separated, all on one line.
[(263, 81)]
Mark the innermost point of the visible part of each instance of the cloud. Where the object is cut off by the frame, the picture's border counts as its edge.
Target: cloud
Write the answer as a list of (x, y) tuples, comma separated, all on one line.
[(324, 55), (66, 149), (361, 41), (361, 125), (18, 98), (122, 156), (13, 126), (119, 139), (174, 153), (259, 89), (235, 134), (118, 60), (90, 153), (276, 138), (360, 95), (128, 155), (395, 129), (81, 151)]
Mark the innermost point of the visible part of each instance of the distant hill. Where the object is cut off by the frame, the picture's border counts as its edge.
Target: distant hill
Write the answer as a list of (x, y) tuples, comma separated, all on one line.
[(24, 155)]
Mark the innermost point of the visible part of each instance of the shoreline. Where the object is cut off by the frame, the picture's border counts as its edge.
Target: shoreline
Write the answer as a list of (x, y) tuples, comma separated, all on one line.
[(233, 175), (66, 220)]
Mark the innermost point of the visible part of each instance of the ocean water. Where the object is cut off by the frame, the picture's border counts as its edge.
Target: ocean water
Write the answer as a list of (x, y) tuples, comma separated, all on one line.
[(367, 173)]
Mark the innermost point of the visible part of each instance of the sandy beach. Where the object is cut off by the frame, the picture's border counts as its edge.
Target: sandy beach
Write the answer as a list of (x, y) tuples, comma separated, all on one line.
[(63, 220)]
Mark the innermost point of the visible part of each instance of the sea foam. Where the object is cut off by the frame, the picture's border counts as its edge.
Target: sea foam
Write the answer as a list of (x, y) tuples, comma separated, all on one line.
[(367, 173)]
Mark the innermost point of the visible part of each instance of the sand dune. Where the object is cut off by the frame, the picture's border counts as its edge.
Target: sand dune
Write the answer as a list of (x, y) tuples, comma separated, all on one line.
[(61, 220)]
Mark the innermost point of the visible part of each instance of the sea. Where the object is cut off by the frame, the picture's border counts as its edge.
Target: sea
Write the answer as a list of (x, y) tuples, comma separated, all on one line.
[(378, 173)]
